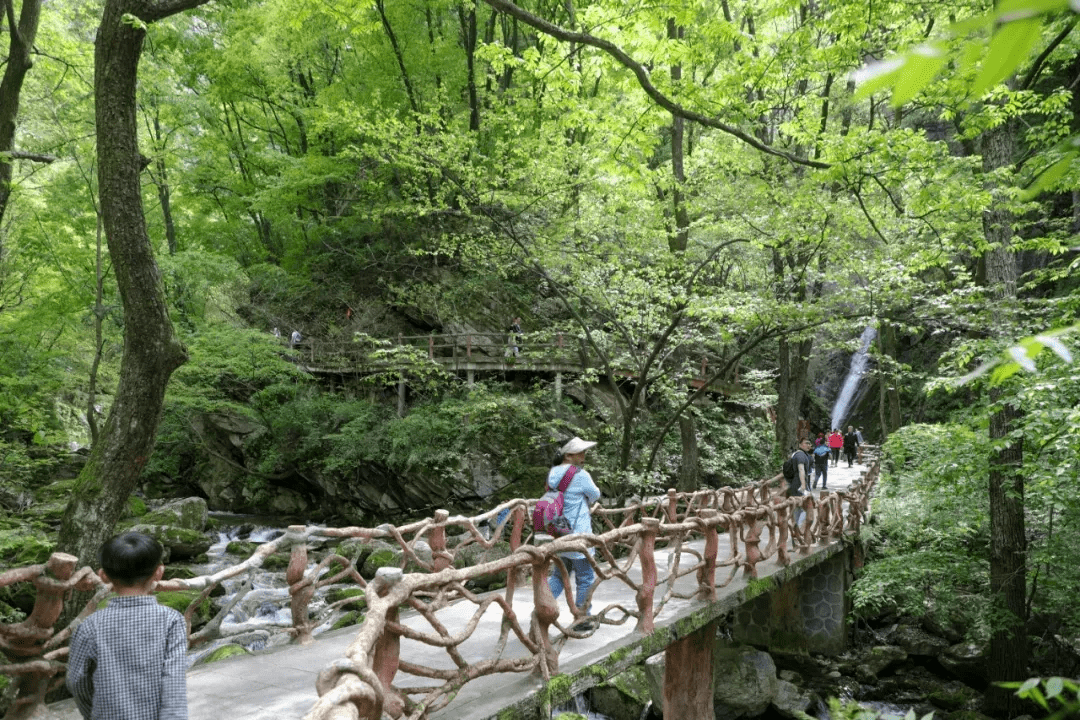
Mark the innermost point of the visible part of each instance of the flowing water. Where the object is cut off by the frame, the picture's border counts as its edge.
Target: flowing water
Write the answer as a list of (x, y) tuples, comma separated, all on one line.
[(854, 376)]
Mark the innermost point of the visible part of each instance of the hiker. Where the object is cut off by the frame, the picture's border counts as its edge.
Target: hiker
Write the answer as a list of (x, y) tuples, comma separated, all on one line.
[(513, 341), (851, 445), (821, 463), (581, 493), (129, 660), (798, 485), (295, 338), (836, 441)]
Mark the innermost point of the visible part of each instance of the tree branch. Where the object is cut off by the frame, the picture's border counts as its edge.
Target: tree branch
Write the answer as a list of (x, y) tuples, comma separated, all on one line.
[(642, 75), (155, 10), (33, 157)]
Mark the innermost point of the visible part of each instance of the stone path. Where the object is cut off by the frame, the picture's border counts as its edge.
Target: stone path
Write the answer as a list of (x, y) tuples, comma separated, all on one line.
[(280, 683)]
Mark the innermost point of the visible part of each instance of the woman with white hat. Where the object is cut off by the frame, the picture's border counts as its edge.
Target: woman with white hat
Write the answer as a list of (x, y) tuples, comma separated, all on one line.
[(577, 498)]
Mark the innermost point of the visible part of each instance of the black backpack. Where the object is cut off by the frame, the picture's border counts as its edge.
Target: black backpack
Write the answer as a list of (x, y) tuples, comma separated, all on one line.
[(789, 469)]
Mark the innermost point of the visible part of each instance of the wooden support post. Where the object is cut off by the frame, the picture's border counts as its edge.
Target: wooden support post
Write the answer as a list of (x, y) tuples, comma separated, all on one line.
[(648, 575), (440, 559), (401, 395), (470, 376), (707, 576), (468, 346), (300, 592), (431, 347), (558, 386), (688, 682)]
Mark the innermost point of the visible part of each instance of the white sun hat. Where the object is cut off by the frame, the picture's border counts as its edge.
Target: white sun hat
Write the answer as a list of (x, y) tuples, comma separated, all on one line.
[(576, 445)]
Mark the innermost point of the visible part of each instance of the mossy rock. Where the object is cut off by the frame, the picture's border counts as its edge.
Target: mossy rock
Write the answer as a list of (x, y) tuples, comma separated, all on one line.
[(178, 572), (384, 556), (242, 548), (188, 513), (182, 543), (225, 651), (356, 550), (59, 491), (953, 696), (136, 507), (359, 600), (24, 546), (11, 615), (478, 555), (179, 600), (277, 561), (353, 617)]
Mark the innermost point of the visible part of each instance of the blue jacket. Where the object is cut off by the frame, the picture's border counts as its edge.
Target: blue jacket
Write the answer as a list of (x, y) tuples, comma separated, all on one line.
[(576, 500)]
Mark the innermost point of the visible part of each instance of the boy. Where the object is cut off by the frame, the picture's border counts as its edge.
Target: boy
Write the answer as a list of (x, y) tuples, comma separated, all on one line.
[(128, 660)]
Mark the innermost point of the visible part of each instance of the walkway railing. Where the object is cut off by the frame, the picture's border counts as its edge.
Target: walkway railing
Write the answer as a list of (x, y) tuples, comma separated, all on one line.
[(365, 678)]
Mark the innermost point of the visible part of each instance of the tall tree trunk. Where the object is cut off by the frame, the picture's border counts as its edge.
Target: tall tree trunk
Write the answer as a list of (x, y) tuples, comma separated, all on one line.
[(151, 349), (1008, 541), (21, 41), (162, 182)]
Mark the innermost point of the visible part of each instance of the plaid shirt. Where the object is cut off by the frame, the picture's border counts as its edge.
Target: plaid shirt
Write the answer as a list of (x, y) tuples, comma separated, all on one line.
[(128, 662)]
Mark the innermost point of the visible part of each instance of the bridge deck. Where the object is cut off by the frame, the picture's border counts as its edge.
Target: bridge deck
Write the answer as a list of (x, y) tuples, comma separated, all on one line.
[(280, 683)]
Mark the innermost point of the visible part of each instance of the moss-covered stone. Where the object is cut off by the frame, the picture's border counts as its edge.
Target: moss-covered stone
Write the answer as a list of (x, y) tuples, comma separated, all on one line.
[(241, 548), (225, 651), (179, 600), (177, 572), (189, 513), (382, 557), (277, 561), (356, 594), (353, 617), (181, 542), (24, 545), (136, 507)]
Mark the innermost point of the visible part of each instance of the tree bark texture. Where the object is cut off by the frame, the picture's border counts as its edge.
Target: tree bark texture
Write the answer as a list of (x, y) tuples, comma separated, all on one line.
[(21, 41), (151, 349), (1008, 541)]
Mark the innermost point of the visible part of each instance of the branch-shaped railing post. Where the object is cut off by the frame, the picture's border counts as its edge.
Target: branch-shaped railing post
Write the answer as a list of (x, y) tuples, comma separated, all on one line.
[(440, 559), (545, 611), (387, 652), (301, 588), (648, 575), (751, 543), (707, 575), (517, 574), (30, 635)]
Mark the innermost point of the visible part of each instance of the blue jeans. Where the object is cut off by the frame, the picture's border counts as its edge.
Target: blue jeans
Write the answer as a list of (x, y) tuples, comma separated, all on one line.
[(581, 570)]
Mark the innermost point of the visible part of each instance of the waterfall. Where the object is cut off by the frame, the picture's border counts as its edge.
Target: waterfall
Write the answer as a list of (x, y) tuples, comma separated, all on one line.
[(851, 382)]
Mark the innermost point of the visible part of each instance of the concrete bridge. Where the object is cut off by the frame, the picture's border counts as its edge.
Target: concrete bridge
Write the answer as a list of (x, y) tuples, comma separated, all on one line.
[(429, 647)]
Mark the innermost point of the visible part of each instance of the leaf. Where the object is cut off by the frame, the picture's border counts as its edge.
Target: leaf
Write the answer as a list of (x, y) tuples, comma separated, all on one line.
[(1009, 47), (1054, 686), (1008, 10), (1048, 177), (921, 66), (876, 76), (1057, 346)]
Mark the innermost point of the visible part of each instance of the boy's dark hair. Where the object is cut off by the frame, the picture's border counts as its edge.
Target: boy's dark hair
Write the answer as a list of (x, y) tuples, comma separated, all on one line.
[(130, 558)]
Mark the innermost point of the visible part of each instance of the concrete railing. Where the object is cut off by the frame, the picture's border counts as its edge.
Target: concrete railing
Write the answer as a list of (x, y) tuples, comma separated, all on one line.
[(365, 678)]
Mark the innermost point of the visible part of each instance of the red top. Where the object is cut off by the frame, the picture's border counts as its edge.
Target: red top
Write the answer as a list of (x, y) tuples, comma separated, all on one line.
[(836, 440)]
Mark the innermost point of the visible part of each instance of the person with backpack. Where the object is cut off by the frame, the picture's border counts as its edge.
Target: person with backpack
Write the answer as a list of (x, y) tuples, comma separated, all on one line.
[(578, 495), (797, 473), (821, 464)]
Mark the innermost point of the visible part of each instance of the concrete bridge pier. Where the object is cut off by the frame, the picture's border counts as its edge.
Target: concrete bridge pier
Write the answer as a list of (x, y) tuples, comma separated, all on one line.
[(807, 613)]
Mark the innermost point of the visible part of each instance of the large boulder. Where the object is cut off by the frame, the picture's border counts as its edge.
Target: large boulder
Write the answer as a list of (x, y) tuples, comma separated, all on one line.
[(475, 554), (791, 701), (967, 662), (180, 543), (654, 678), (744, 682), (916, 641), (188, 513), (622, 697), (877, 661)]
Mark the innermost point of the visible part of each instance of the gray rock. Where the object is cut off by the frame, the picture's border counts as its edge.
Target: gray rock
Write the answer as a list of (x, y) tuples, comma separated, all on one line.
[(792, 702), (180, 543), (624, 696), (916, 641), (744, 682), (188, 513), (879, 659), (966, 661), (654, 677)]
